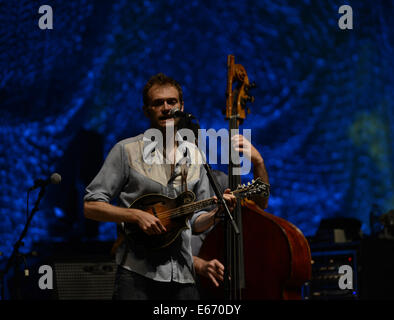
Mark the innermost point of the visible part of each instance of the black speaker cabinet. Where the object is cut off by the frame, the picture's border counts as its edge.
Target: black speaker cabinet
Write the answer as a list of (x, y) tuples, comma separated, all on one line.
[(377, 273), (78, 271), (84, 280)]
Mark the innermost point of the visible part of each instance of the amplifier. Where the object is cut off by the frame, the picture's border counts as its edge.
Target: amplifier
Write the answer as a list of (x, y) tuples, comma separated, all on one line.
[(326, 280), (78, 280)]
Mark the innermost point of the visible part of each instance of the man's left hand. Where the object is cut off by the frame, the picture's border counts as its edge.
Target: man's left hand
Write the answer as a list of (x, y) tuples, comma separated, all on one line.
[(212, 269), (230, 199)]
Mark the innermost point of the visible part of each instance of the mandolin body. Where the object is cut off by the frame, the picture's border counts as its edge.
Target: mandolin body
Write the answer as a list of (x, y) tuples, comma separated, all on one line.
[(158, 205)]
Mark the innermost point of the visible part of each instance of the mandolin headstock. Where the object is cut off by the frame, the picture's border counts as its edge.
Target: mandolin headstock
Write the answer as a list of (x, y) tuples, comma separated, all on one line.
[(256, 187)]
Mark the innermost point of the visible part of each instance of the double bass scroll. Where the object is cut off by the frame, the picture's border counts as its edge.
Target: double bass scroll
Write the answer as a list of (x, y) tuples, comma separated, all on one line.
[(237, 108)]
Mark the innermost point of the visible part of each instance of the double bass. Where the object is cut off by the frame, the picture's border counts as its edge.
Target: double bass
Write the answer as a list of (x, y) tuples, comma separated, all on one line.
[(271, 258)]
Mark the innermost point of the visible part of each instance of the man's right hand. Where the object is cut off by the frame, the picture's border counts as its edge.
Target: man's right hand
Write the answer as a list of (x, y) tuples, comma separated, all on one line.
[(149, 223)]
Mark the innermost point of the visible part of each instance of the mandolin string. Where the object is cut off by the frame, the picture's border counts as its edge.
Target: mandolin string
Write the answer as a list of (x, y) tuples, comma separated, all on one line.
[(166, 216), (189, 207), (183, 210), (192, 208), (180, 211), (177, 212), (174, 212)]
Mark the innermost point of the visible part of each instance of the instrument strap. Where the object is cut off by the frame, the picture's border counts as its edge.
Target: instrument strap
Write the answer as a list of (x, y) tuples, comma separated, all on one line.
[(184, 171)]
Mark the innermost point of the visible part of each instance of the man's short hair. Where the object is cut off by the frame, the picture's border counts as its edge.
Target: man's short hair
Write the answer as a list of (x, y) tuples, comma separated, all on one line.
[(162, 80)]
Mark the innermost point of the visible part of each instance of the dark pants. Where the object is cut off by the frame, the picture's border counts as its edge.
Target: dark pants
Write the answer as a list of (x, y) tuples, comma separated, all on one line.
[(132, 286)]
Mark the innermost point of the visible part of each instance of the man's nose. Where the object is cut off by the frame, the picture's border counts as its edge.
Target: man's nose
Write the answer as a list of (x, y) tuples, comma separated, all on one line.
[(166, 106)]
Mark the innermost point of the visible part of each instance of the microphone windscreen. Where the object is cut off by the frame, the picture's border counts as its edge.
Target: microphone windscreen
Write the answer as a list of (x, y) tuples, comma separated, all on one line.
[(173, 111), (56, 178)]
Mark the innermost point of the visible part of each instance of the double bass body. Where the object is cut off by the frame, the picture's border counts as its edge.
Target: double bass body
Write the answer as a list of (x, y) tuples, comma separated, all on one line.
[(277, 259)]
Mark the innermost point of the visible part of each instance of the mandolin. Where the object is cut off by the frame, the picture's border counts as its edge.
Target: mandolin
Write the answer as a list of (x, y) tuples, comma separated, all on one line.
[(173, 213)]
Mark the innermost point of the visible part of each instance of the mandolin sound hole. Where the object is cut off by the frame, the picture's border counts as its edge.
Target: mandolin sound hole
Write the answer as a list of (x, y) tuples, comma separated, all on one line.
[(187, 198)]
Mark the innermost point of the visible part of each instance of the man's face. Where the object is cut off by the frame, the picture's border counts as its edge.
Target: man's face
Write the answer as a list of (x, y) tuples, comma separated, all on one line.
[(162, 100)]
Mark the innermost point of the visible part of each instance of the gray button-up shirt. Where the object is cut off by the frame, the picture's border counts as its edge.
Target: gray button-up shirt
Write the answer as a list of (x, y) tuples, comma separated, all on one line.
[(132, 169)]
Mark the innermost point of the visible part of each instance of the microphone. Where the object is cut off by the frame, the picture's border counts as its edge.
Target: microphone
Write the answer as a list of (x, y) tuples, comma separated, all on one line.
[(176, 113), (55, 178)]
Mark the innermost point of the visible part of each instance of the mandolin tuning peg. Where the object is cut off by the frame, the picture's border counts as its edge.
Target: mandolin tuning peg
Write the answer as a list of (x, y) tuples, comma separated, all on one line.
[(253, 180), (248, 183), (252, 85)]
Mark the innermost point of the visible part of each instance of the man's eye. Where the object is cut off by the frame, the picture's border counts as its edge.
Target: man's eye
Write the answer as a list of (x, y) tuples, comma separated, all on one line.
[(160, 102), (157, 103), (172, 102)]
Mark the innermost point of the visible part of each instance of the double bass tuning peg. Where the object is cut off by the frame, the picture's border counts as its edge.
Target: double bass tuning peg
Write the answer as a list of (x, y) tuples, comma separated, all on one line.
[(250, 86), (250, 99)]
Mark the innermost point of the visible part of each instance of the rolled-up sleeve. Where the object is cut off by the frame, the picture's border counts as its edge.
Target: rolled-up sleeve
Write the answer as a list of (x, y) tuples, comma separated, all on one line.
[(112, 176)]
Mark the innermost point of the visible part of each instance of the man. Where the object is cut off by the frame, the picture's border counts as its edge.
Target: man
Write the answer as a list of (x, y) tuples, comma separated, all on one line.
[(127, 175)]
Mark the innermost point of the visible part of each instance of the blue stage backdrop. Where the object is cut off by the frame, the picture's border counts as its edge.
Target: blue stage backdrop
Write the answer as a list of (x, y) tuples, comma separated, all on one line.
[(322, 117)]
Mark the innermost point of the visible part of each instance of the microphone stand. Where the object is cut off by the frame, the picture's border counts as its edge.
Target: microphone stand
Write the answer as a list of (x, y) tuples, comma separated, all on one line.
[(214, 184), (229, 217), (15, 253)]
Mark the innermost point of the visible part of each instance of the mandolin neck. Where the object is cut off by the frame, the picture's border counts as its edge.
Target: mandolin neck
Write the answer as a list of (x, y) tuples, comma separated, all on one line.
[(195, 206), (198, 205)]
